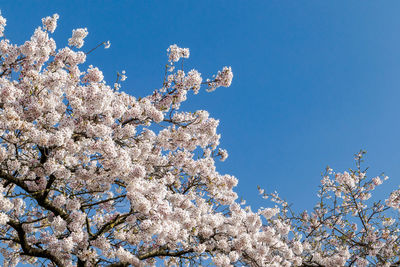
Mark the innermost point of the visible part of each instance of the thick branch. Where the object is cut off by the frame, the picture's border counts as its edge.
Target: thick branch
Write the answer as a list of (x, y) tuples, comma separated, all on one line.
[(108, 226), (40, 198), (164, 253), (32, 251)]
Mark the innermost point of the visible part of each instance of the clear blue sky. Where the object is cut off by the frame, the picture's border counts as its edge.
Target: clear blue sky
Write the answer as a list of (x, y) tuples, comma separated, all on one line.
[(314, 81)]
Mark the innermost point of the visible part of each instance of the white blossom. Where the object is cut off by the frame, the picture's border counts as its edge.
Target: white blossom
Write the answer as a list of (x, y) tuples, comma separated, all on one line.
[(77, 37), (50, 23), (176, 53)]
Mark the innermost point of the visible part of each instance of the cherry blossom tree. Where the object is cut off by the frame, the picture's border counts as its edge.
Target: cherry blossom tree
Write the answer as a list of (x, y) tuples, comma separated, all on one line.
[(92, 176), (346, 228)]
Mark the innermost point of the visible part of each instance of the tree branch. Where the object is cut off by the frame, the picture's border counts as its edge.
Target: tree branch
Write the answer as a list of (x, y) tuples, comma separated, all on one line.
[(31, 251)]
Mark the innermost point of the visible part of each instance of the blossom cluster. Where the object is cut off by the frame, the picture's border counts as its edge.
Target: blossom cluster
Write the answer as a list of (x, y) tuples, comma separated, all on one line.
[(346, 228), (77, 37), (175, 53)]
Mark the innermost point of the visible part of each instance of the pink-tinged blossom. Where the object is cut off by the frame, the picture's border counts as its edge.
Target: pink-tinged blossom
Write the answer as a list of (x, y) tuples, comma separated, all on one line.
[(388, 221), (77, 37), (223, 154), (5, 204), (268, 213), (138, 171), (59, 225), (59, 201), (297, 248), (175, 53), (223, 78), (93, 75), (107, 44), (73, 204), (346, 179), (3, 23), (394, 200), (3, 218), (377, 181), (123, 76), (50, 23), (362, 262), (193, 81), (126, 257)]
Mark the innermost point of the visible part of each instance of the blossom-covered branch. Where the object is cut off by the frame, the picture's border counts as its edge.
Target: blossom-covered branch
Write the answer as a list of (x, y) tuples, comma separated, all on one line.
[(92, 176)]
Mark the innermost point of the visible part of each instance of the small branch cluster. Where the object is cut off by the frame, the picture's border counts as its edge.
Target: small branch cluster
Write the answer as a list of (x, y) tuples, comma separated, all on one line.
[(346, 228)]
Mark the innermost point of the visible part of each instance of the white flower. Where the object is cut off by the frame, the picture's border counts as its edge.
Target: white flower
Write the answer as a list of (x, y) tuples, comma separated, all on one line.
[(50, 23), (223, 153), (107, 45), (77, 37), (2, 25), (193, 81), (394, 200), (123, 76), (377, 181), (176, 53), (388, 221), (58, 224), (268, 213), (297, 248), (223, 78), (73, 204), (93, 75), (3, 218)]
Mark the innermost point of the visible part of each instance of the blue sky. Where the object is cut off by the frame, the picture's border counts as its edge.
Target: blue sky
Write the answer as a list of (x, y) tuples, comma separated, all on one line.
[(314, 81)]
